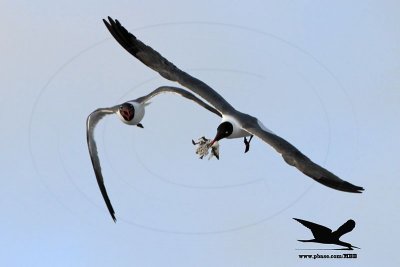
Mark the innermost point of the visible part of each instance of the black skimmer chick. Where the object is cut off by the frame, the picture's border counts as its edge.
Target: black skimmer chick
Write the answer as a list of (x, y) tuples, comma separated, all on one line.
[(131, 113), (325, 235), (203, 145), (234, 124)]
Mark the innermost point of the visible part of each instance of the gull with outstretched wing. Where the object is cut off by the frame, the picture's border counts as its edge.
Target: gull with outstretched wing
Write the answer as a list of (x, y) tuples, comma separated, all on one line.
[(131, 113), (234, 124)]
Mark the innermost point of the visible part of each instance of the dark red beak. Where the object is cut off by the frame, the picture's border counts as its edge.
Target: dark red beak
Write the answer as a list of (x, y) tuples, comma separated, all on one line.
[(217, 137)]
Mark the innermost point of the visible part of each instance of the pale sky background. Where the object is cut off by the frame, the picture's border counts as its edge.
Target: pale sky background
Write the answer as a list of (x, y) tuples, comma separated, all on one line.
[(322, 74)]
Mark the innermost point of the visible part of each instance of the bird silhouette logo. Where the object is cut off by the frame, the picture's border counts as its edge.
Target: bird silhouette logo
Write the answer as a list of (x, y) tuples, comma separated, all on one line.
[(324, 235)]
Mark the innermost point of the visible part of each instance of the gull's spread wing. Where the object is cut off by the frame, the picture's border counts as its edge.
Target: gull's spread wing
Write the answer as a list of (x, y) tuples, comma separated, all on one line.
[(295, 158), (157, 62), (179, 91), (91, 123)]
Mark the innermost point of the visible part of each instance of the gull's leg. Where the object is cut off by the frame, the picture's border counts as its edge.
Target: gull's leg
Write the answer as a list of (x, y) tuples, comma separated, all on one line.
[(247, 143), (139, 125)]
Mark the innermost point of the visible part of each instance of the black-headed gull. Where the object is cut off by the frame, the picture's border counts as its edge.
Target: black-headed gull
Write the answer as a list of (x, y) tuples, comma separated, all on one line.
[(131, 113), (234, 123)]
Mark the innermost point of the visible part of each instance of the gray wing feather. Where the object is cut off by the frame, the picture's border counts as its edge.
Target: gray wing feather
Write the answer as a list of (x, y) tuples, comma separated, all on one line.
[(294, 157), (181, 92), (157, 62), (91, 123)]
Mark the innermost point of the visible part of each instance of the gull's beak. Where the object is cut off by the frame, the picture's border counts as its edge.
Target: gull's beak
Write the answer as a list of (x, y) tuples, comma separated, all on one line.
[(217, 137)]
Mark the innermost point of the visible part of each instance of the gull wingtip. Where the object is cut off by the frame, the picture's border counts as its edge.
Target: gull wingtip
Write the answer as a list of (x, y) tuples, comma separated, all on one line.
[(357, 189), (106, 22)]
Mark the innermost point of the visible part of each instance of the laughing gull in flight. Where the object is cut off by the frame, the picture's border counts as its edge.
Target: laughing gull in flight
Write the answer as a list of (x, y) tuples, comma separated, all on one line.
[(234, 124), (131, 113)]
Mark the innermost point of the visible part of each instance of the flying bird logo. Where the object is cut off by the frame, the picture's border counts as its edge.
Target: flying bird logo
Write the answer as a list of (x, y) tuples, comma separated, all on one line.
[(324, 235)]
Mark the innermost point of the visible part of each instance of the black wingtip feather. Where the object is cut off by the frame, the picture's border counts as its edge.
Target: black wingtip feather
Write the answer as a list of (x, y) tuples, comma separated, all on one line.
[(121, 35), (348, 187), (299, 220)]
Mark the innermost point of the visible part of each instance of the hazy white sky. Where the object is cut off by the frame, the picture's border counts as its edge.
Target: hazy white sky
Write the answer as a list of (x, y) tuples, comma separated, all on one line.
[(322, 74)]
